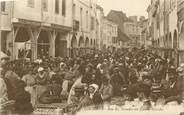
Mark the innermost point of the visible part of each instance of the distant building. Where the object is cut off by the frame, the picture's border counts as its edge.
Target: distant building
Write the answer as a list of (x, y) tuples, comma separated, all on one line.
[(133, 30), (145, 41), (84, 36), (110, 35), (180, 12), (133, 18), (119, 18), (36, 27), (163, 28), (141, 18), (57, 28)]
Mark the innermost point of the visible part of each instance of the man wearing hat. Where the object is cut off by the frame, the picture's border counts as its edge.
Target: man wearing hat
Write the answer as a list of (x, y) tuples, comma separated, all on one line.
[(117, 81), (180, 72), (174, 91)]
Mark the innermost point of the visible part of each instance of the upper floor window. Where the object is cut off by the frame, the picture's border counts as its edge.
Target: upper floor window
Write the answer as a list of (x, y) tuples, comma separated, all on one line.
[(3, 6), (92, 23), (63, 7), (45, 5), (30, 3), (81, 16), (57, 6), (74, 10), (86, 19)]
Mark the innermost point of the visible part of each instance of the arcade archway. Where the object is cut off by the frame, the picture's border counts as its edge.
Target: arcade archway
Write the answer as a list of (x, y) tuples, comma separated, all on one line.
[(170, 40), (60, 45), (175, 46), (73, 46), (43, 44), (81, 42), (22, 43), (81, 46), (87, 45), (175, 39)]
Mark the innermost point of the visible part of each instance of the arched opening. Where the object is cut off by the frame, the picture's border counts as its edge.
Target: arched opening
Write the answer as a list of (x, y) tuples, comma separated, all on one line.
[(181, 42), (170, 40), (94, 43), (74, 42), (175, 46), (87, 43), (73, 46), (22, 44), (175, 38), (81, 42), (91, 42), (81, 45), (60, 45), (43, 44), (159, 42)]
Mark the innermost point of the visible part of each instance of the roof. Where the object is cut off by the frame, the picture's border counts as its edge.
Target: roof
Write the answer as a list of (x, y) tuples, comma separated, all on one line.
[(118, 17), (122, 36)]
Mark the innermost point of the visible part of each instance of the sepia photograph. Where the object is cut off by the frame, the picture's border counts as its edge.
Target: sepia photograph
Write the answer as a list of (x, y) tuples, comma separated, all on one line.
[(91, 57)]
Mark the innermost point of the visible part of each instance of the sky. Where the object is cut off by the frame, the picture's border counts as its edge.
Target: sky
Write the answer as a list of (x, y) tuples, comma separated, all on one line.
[(130, 7)]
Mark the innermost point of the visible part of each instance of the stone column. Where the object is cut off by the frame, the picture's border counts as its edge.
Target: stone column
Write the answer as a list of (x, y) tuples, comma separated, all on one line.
[(52, 37), (34, 34)]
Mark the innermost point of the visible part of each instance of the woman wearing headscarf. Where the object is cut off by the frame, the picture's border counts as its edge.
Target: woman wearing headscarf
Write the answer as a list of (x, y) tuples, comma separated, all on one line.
[(94, 94), (41, 82)]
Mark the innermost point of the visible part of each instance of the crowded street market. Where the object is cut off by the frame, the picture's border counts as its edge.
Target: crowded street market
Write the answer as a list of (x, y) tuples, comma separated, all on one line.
[(134, 78), (90, 57)]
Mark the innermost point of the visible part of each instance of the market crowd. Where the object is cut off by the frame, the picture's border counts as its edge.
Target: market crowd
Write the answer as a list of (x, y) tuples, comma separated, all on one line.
[(136, 75)]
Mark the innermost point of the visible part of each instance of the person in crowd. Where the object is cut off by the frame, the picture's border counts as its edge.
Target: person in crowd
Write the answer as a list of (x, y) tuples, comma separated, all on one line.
[(3, 89), (147, 77), (80, 98), (143, 94), (94, 94), (30, 80), (52, 93), (117, 82), (173, 92), (106, 90), (22, 100), (41, 82), (67, 82)]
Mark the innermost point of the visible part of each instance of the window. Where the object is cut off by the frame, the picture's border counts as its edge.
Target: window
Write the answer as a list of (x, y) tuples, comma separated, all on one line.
[(92, 23), (74, 9), (57, 6), (64, 7), (81, 16), (45, 5), (86, 19), (3, 6), (30, 3)]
